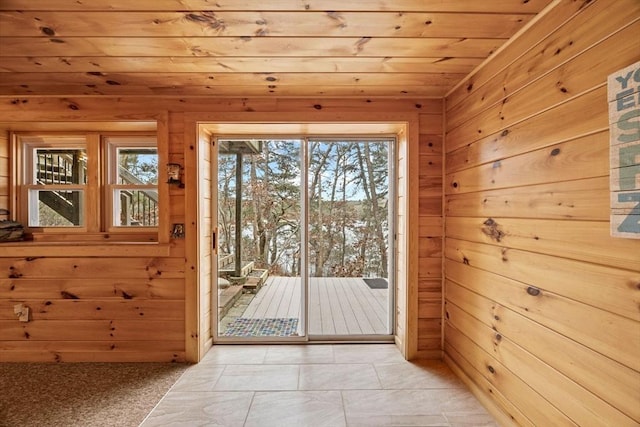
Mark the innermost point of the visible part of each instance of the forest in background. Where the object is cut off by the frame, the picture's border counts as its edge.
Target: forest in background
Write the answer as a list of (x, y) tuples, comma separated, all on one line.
[(348, 207)]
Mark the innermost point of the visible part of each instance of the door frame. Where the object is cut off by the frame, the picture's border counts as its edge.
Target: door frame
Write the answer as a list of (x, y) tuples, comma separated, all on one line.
[(198, 243), (305, 279)]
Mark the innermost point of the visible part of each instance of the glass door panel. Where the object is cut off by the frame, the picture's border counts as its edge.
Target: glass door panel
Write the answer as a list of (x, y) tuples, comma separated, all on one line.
[(260, 261), (348, 235)]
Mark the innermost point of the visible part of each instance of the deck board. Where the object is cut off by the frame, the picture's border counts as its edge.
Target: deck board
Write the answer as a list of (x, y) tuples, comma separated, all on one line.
[(337, 305), (359, 311), (372, 309), (337, 310), (326, 316), (351, 326)]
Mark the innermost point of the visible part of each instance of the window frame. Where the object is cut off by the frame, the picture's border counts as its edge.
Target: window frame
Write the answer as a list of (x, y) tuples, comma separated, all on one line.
[(27, 146), (97, 200), (111, 143)]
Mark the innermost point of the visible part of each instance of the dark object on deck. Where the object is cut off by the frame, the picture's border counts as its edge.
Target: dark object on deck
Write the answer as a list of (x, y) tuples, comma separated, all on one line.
[(377, 283), (10, 231)]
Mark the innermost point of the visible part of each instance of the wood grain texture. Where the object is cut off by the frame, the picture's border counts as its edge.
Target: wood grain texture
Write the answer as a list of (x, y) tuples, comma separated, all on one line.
[(583, 199), (606, 288), (496, 6), (69, 309), (615, 339), (535, 287), (89, 268), (583, 116), (550, 21), (411, 47), (585, 157), (79, 330), (568, 80), (22, 111), (579, 240), (501, 378), (76, 64), (575, 402), (92, 351), (577, 361), (262, 23), (244, 40), (431, 231), (91, 288), (266, 90), (501, 118), (212, 80), (498, 405)]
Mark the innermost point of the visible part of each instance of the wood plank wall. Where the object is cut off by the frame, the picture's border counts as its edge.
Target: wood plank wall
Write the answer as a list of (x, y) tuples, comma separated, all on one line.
[(430, 243), (112, 291), (123, 303), (4, 170), (541, 304)]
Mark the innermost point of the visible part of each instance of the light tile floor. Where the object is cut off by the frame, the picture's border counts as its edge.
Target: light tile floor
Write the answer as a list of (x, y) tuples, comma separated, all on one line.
[(317, 385)]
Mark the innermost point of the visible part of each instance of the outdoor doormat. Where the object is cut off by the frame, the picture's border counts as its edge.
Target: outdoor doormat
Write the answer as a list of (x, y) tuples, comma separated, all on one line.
[(245, 327), (377, 283)]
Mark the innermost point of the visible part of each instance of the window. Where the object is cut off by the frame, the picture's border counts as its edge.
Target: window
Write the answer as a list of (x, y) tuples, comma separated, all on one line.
[(87, 183), (55, 182), (133, 181)]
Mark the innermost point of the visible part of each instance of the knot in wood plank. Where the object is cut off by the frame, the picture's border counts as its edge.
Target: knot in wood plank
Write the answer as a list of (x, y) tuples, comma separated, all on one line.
[(491, 229), (533, 291), (360, 44), (208, 19)]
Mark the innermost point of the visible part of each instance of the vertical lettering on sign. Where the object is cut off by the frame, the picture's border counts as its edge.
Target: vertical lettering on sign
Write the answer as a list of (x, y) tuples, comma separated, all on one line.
[(623, 91)]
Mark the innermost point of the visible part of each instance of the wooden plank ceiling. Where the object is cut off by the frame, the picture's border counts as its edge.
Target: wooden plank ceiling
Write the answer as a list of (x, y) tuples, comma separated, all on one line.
[(356, 48)]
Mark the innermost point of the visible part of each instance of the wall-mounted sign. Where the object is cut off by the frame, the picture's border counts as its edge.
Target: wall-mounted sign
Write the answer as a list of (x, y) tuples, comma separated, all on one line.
[(624, 128)]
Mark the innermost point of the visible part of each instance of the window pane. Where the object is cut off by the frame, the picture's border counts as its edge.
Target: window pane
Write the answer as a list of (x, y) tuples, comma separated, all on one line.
[(56, 208), (60, 166), (136, 208), (137, 166)]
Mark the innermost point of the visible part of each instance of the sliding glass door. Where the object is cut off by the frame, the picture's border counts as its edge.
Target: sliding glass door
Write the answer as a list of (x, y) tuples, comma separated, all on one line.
[(303, 252)]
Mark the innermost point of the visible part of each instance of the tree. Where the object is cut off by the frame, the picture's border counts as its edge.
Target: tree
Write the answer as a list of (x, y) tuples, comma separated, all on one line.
[(226, 206), (372, 176), (348, 197)]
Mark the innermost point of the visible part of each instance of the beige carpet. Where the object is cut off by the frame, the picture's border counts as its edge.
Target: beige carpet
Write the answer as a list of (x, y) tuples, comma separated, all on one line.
[(82, 394)]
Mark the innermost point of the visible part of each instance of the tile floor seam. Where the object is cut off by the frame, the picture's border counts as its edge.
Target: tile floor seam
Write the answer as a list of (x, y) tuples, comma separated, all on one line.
[(246, 416), (378, 375), (213, 386), (344, 409)]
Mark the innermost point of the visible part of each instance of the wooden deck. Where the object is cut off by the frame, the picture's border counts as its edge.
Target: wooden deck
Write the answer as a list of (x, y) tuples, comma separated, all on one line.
[(337, 305)]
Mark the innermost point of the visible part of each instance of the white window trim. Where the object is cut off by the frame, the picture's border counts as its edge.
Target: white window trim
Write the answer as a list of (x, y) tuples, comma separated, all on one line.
[(98, 192), (28, 147)]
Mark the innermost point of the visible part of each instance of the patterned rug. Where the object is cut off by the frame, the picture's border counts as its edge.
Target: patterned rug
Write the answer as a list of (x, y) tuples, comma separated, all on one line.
[(244, 327)]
